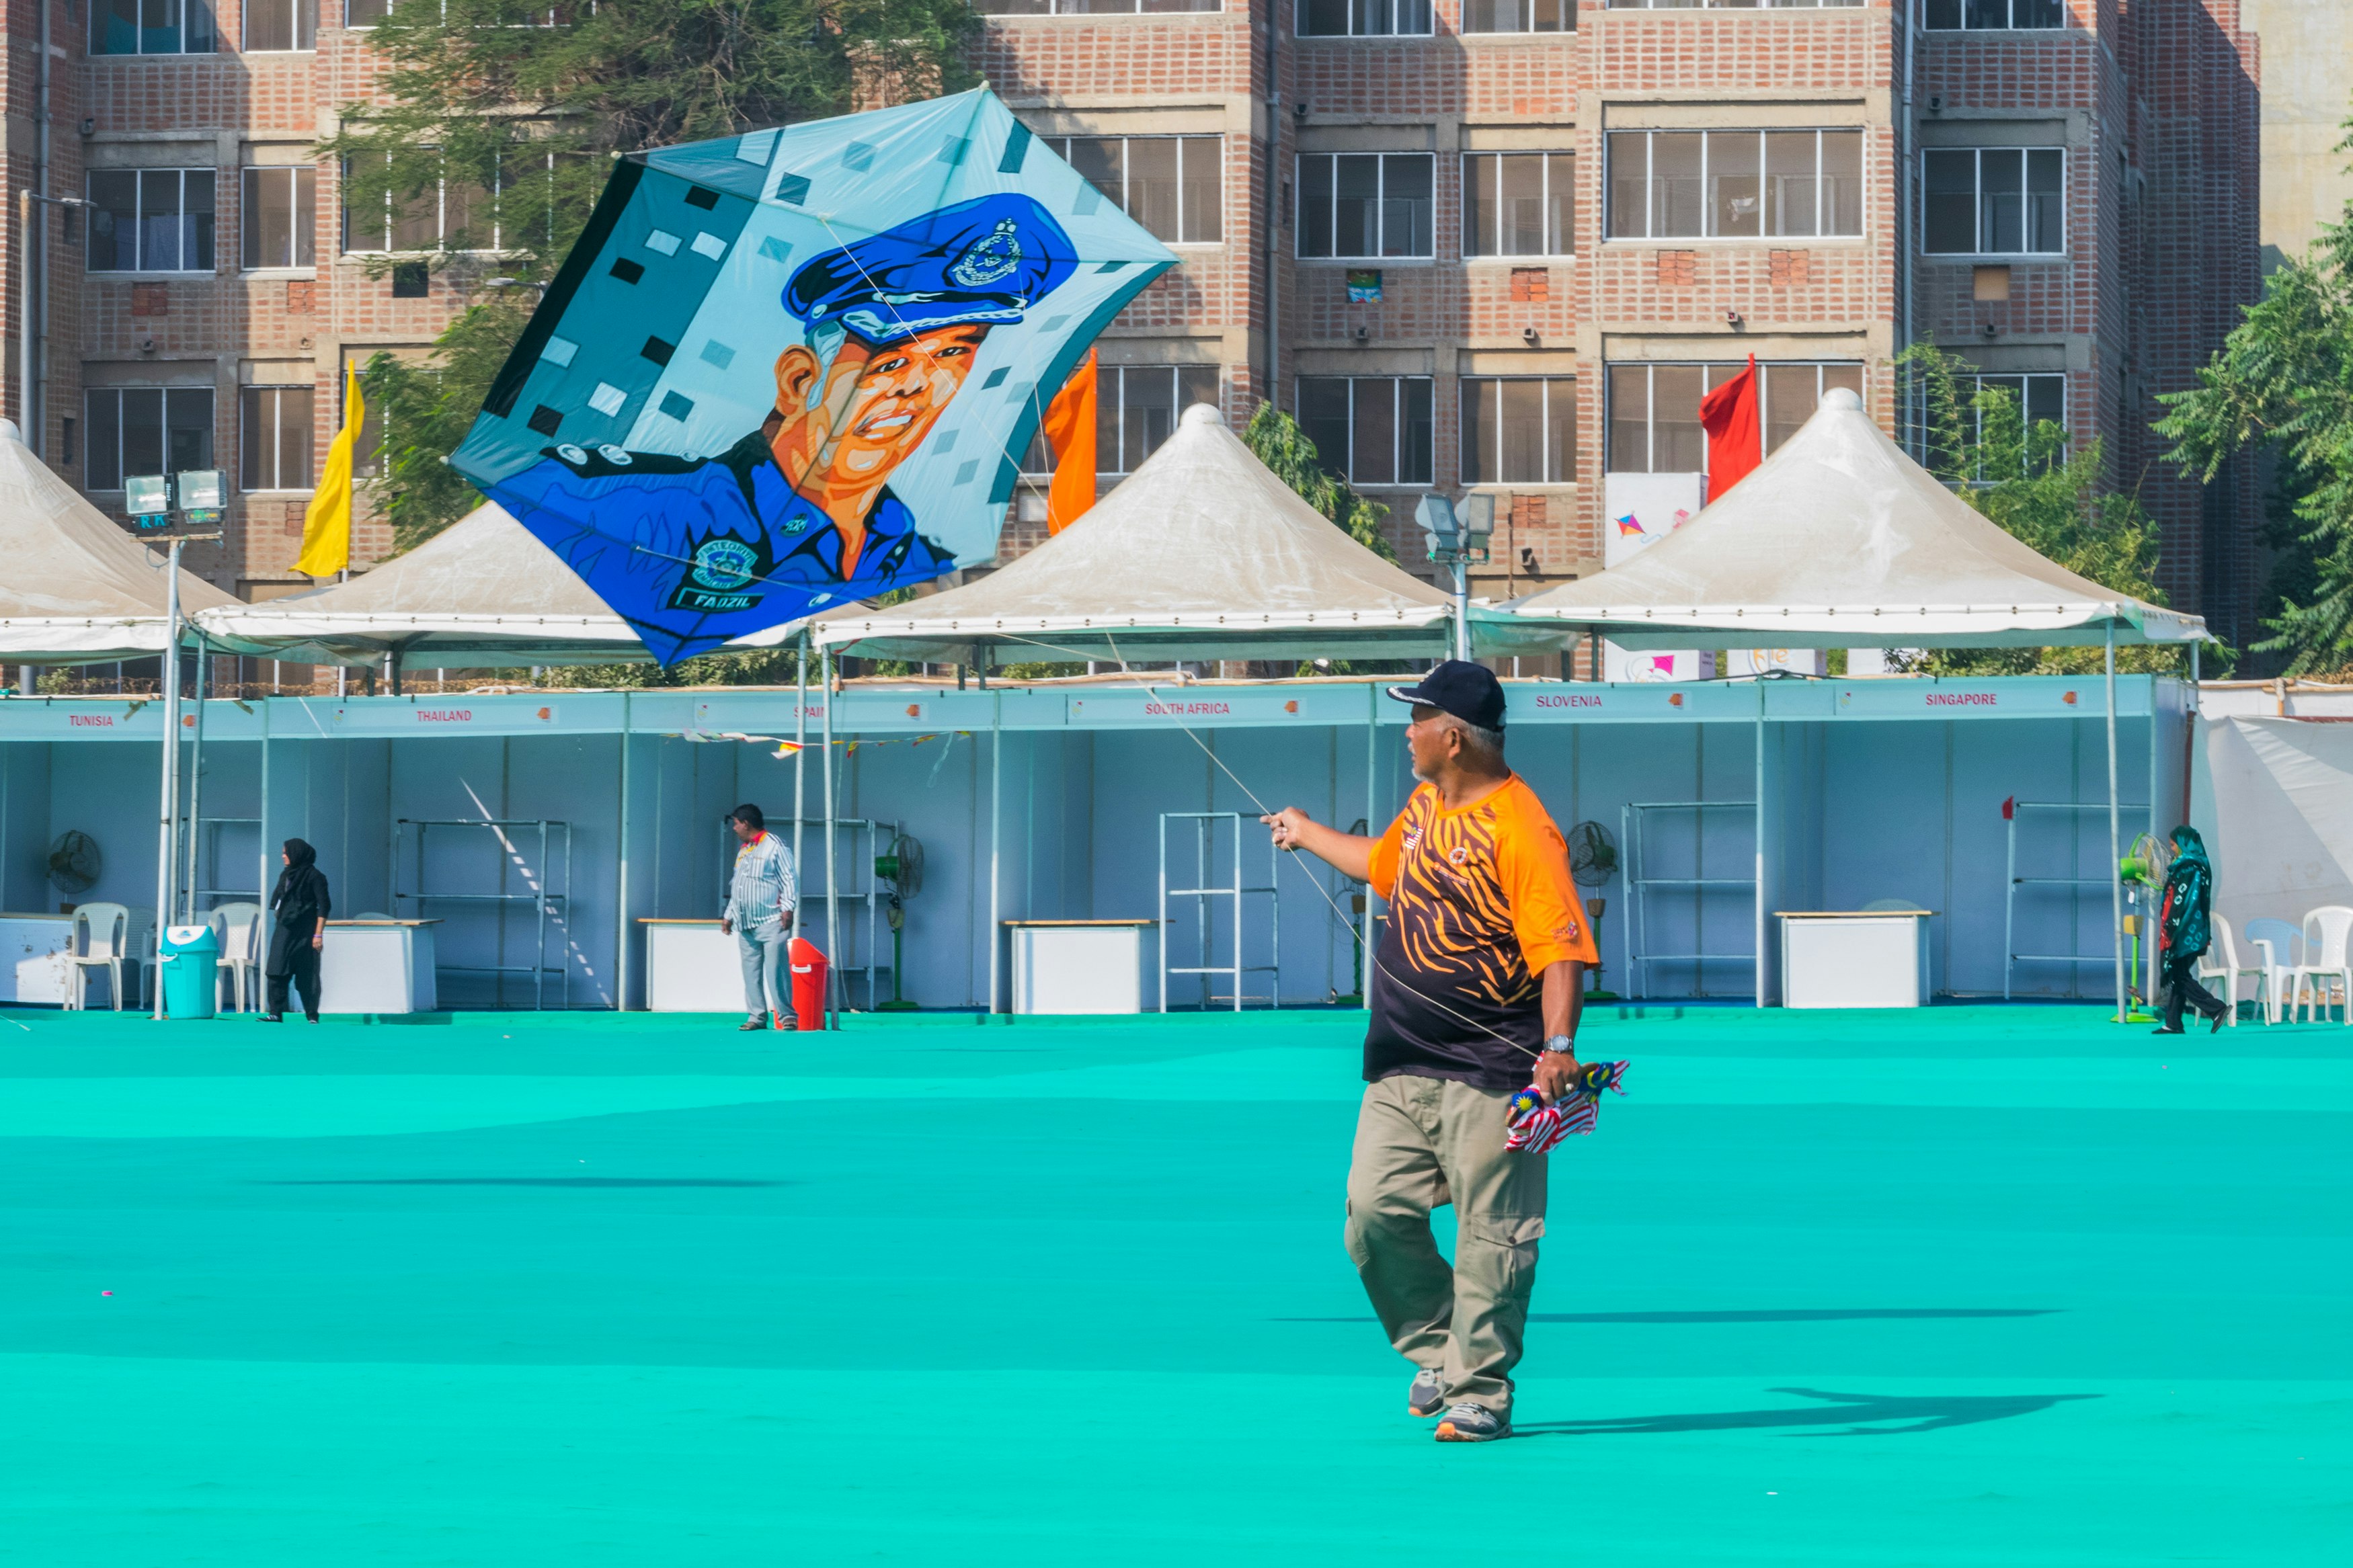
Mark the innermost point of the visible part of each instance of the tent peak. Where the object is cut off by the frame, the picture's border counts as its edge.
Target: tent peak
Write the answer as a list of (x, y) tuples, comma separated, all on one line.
[(9, 432), (1844, 398), (1202, 414)]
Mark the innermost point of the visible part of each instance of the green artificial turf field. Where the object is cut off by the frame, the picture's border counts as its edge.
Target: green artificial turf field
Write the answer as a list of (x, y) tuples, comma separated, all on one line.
[(1971, 1286)]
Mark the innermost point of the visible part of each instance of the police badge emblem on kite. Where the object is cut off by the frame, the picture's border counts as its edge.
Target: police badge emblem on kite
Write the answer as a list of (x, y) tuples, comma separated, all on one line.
[(796, 368)]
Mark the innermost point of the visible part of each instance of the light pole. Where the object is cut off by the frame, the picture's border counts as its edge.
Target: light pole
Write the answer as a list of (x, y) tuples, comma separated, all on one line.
[(1458, 540)]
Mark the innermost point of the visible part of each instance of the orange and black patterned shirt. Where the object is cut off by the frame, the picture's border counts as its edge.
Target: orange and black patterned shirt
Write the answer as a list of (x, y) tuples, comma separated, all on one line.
[(1481, 902)]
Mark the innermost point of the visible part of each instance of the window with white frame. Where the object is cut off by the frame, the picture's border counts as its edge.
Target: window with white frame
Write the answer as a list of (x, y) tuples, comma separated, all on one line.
[(1735, 4), (150, 220), (1519, 16), (1173, 186), (1735, 185), (447, 210), (1988, 15), (1363, 19), (1654, 417), (1088, 7), (366, 13), (280, 26), (1136, 409), (140, 430), (274, 437), (1371, 429), (2041, 398), (1519, 430), (1519, 204), (1994, 201), (280, 226), (1366, 205), (152, 28)]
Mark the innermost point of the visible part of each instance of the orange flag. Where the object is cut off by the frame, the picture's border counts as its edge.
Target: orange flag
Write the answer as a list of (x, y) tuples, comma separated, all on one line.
[(1071, 432)]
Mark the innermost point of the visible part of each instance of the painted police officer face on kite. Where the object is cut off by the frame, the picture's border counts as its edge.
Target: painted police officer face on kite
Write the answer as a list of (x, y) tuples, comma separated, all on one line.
[(840, 429)]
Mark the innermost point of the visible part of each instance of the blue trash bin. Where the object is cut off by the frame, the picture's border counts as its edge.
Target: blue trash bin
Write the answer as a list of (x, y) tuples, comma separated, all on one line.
[(190, 960)]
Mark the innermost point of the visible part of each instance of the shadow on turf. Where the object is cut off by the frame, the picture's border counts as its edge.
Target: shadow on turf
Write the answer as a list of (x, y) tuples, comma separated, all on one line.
[(1761, 1315), (524, 1182), (1857, 1416)]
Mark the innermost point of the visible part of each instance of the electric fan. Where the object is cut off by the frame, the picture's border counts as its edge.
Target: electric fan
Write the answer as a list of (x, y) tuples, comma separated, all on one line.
[(901, 866), (2142, 871), (74, 862), (1592, 862)]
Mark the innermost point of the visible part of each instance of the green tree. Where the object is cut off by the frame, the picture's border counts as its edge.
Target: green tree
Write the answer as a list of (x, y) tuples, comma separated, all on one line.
[(2283, 383), (2043, 490), (497, 130), (1285, 450)]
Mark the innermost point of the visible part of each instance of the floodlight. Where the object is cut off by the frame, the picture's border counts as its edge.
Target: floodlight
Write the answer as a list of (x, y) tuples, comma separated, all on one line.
[(148, 497)]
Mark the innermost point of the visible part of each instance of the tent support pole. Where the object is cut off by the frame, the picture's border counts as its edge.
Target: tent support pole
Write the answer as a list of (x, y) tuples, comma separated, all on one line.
[(169, 789), (800, 773), (1372, 826), (197, 775), (996, 832), (1759, 869), (2116, 830), (621, 878), (832, 900)]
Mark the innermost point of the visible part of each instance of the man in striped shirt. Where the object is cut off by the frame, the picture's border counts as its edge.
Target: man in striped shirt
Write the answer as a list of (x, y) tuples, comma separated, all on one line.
[(759, 912)]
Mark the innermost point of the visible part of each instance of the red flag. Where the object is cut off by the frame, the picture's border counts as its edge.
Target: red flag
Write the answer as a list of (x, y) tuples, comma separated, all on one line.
[(1735, 440), (1070, 431)]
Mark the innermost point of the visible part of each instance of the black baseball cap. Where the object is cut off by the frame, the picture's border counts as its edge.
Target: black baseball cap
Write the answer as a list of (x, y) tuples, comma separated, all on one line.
[(1468, 692)]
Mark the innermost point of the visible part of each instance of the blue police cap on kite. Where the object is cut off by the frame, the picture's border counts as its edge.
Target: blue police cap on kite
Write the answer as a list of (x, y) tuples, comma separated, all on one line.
[(982, 262)]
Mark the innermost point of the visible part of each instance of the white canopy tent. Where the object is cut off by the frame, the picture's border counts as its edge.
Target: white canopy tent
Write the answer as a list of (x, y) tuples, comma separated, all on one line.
[(77, 589), (484, 591), (1840, 539)]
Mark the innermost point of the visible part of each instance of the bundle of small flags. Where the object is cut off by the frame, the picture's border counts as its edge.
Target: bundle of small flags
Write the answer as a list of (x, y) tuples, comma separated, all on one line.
[(1538, 1128)]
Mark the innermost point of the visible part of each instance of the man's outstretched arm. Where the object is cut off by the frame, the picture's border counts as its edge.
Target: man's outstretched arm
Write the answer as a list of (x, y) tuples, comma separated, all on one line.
[(1348, 853)]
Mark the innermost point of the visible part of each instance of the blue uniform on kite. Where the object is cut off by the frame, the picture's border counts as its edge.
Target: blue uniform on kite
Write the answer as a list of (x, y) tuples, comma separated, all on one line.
[(891, 328)]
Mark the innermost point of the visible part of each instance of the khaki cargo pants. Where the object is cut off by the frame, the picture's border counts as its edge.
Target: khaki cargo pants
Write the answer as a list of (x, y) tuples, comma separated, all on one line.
[(1422, 1143)]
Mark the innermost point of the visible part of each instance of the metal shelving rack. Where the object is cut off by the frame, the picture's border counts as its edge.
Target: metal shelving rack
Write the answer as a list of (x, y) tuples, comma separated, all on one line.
[(1201, 892), (1632, 819), (548, 904), (860, 868), (2010, 956)]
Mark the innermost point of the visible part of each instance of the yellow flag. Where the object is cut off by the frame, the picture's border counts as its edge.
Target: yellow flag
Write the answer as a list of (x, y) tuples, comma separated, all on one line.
[(327, 525)]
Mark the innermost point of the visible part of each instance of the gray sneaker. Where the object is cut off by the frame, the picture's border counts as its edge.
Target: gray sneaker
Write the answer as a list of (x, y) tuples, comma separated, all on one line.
[(1469, 1423), (1428, 1395)]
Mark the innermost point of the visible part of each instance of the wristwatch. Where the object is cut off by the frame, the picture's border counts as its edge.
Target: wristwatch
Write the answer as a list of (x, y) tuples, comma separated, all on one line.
[(1561, 1045)]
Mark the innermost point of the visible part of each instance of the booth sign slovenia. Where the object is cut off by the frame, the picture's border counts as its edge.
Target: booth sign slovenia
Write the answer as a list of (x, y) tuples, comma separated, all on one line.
[(796, 368)]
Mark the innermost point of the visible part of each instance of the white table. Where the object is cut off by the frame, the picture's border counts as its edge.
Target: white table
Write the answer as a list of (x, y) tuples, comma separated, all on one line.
[(1859, 958), (1078, 966), (691, 966), (377, 966), (33, 966)]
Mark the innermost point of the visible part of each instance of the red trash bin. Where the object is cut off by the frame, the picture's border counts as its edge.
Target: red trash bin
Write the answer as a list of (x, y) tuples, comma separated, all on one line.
[(809, 965)]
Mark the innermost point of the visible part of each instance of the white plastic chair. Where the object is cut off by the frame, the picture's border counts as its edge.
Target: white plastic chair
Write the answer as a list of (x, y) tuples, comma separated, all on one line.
[(2327, 968), (241, 931), (101, 937), (2229, 969), (2279, 948)]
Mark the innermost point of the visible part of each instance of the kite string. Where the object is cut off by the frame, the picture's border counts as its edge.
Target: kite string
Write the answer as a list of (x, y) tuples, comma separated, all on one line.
[(1371, 953)]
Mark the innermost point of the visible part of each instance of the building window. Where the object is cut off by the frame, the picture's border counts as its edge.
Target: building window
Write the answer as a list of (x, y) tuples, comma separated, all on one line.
[(1519, 204), (449, 210), (1136, 409), (1519, 430), (1994, 201), (1735, 185), (2008, 15), (1363, 18), (1173, 186), (1519, 16), (141, 430), (274, 439), (150, 220), (1077, 8), (1653, 420), (280, 216), (151, 27), (1735, 4), (278, 26), (1365, 204), (1371, 429)]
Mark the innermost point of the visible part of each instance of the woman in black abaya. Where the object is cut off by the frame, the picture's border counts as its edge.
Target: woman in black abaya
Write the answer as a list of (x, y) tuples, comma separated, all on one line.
[(298, 908)]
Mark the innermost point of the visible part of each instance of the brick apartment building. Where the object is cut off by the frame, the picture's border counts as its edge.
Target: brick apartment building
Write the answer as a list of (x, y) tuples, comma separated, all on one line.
[(1497, 245)]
